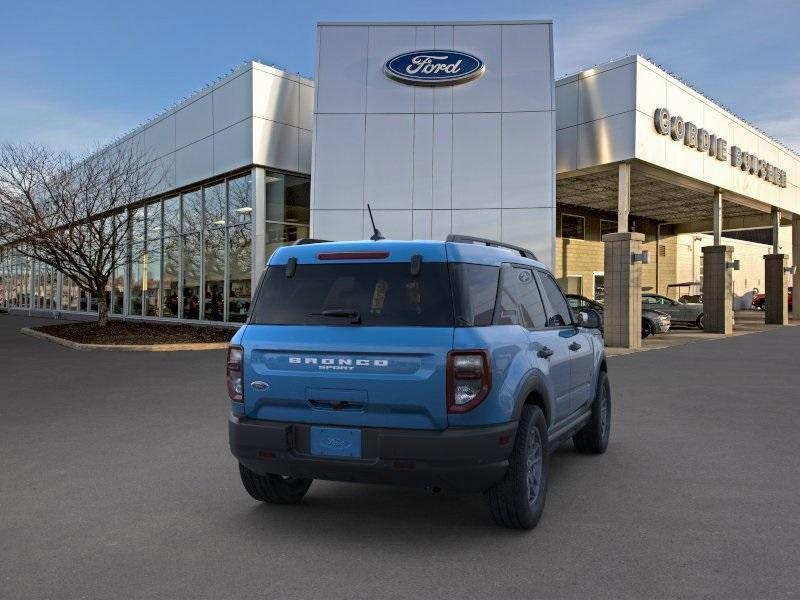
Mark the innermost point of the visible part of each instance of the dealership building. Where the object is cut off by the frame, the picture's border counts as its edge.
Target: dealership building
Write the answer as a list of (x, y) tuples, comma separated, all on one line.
[(621, 177)]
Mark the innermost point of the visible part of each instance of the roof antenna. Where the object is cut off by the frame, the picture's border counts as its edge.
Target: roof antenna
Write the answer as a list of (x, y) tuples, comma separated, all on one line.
[(377, 235)]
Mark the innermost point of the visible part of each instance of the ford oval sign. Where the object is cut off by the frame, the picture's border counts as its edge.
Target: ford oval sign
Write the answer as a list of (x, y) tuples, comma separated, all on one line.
[(434, 67)]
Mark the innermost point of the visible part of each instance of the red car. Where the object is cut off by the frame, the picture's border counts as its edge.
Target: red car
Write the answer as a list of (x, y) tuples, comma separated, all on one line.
[(760, 299)]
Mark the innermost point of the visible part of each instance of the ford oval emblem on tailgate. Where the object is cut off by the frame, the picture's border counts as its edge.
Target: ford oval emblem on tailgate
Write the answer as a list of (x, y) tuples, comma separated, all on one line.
[(260, 385)]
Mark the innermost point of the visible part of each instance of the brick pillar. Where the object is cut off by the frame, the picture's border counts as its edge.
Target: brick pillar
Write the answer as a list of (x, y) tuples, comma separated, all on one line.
[(622, 313), (776, 290), (717, 290)]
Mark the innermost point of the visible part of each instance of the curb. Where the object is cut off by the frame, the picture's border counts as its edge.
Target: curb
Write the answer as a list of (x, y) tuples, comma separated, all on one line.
[(123, 347)]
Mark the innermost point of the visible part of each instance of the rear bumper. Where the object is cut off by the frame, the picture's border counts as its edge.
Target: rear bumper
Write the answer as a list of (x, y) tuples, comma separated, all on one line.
[(463, 459)]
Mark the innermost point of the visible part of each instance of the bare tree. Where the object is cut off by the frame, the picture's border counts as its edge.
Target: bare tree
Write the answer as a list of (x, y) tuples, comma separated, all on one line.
[(70, 213)]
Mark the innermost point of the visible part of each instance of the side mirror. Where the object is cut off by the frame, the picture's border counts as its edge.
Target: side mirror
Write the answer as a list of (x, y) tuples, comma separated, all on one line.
[(589, 318)]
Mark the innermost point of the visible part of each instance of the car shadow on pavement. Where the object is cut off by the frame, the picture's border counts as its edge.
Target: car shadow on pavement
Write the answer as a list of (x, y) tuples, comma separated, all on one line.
[(353, 513)]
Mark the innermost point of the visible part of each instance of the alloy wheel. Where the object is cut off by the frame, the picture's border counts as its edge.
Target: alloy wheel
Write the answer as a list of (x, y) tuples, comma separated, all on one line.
[(534, 464)]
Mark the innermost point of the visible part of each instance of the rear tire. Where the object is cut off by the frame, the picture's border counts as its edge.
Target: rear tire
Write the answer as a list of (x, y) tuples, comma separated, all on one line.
[(274, 489), (593, 438), (517, 501), (700, 321)]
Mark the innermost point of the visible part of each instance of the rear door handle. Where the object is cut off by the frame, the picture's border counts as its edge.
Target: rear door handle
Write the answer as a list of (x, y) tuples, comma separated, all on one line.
[(545, 352), (574, 346)]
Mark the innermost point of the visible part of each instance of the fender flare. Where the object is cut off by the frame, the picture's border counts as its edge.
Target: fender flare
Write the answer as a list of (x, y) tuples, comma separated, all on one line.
[(534, 382)]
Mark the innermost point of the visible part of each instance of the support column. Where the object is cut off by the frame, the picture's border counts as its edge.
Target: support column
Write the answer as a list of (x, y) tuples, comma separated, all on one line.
[(718, 218), (717, 289), (623, 197), (776, 290), (796, 263), (776, 231), (622, 314), (776, 287), (258, 197)]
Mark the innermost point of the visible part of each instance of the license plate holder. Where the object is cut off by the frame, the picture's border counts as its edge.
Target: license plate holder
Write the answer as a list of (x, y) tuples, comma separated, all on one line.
[(337, 442)]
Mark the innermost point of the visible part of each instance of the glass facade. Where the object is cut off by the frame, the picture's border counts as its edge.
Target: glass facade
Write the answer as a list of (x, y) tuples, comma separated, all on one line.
[(190, 255), (287, 209)]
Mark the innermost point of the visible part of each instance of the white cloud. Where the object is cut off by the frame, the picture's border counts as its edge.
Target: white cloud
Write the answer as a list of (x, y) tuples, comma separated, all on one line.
[(610, 31), (33, 116), (786, 130)]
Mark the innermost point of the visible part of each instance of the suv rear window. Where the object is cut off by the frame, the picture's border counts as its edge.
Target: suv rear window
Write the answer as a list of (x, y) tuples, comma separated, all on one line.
[(383, 294)]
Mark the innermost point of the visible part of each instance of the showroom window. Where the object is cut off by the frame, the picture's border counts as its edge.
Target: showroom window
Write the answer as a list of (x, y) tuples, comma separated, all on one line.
[(118, 291), (599, 287), (572, 284), (170, 275), (573, 227), (188, 255), (214, 270), (607, 227), (288, 209)]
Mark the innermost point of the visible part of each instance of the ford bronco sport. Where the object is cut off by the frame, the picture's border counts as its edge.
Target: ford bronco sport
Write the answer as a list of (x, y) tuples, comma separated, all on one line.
[(451, 365)]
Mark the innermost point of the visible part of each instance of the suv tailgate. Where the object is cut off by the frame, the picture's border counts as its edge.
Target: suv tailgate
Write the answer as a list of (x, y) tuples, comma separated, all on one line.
[(352, 376)]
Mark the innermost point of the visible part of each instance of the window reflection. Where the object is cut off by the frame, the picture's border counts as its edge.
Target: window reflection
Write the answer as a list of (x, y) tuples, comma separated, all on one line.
[(169, 278), (214, 293), (118, 288), (151, 263), (64, 295), (192, 211), (240, 209), (171, 241), (281, 234), (239, 269), (137, 225), (135, 287), (154, 220), (215, 205), (190, 258), (172, 216), (288, 198)]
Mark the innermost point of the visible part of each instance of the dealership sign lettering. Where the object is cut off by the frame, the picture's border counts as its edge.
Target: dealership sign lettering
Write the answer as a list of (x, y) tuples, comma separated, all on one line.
[(434, 67), (703, 141)]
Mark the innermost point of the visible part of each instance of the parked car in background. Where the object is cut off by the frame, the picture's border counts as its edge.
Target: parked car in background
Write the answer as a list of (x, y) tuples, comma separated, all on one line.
[(683, 313), (759, 300), (653, 321)]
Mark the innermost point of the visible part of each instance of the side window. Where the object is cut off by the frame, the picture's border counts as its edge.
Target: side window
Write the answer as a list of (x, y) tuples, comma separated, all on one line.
[(520, 302), (649, 300), (474, 289), (561, 314)]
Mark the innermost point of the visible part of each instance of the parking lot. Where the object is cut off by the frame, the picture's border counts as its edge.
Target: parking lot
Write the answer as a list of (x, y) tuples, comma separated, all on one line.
[(116, 482), (746, 322)]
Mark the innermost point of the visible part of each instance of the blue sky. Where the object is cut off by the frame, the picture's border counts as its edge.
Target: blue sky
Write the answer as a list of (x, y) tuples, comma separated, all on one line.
[(75, 74)]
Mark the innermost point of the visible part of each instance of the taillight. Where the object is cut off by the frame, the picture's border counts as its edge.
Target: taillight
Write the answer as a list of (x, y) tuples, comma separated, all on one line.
[(234, 372), (469, 378)]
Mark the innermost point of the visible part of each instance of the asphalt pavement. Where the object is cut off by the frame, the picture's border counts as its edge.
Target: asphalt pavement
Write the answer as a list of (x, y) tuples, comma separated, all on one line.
[(116, 482)]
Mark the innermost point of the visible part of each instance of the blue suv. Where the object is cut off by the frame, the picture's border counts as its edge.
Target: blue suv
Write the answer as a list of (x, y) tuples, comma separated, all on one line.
[(452, 365)]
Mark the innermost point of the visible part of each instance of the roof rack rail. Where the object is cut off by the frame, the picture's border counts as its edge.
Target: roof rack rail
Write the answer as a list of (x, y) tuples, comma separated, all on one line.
[(468, 239), (304, 241)]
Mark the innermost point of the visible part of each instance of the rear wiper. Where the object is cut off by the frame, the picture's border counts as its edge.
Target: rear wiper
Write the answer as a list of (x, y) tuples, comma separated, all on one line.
[(344, 313)]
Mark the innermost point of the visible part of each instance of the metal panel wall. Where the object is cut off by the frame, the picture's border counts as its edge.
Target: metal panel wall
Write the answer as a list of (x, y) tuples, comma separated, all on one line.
[(256, 115), (658, 89), (475, 158), (606, 115)]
